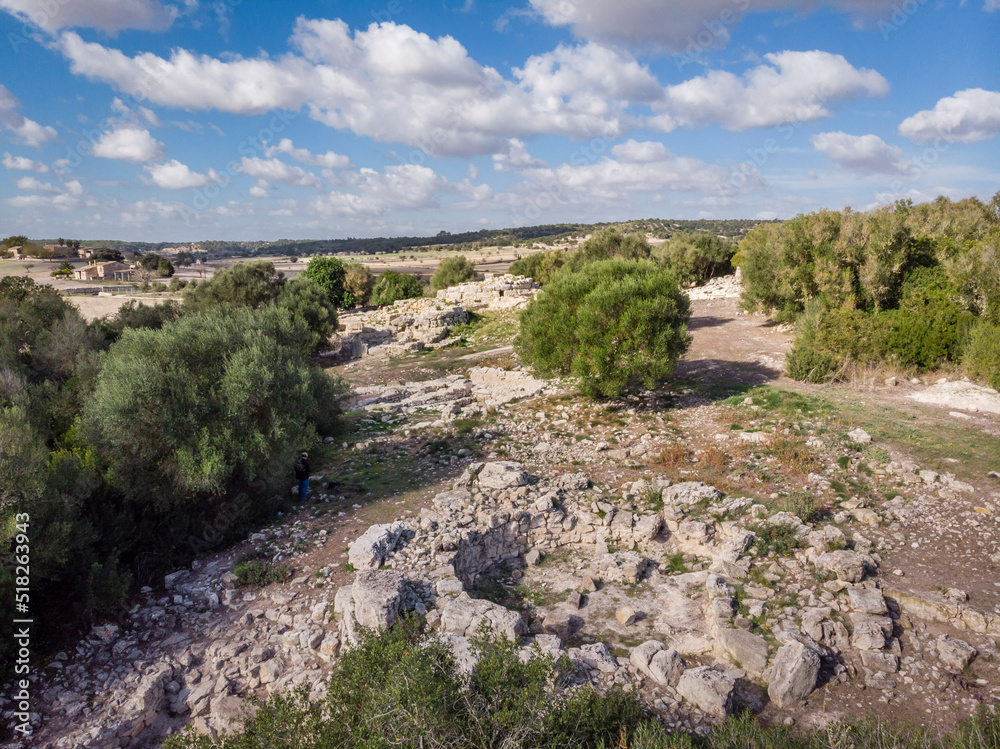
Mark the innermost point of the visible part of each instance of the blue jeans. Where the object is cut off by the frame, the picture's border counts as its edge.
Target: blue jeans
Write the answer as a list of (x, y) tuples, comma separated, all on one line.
[(303, 489)]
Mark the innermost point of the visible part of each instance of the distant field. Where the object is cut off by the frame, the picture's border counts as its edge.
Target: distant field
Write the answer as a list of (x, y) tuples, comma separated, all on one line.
[(421, 264)]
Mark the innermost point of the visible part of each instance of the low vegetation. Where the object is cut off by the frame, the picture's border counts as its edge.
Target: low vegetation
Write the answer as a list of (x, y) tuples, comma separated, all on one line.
[(908, 286), (452, 271), (392, 286)]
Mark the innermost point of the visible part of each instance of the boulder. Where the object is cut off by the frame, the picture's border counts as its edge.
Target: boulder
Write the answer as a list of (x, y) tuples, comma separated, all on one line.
[(378, 597), (849, 566), (870, 632), (646, 528), (876, 660), (689, 493), (502, 474), (597, 656), (708, 690), (641, 655), (792, 674), (955, 655), (626, 616), (666, 667), (622, 566), (463, 615), (558, 623), (867, 600), (747, 650), (860, 436), (573, 482), (374, 545)]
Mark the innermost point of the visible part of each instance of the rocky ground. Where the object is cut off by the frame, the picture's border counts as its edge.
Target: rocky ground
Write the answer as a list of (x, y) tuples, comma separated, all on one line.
[(812, 553)]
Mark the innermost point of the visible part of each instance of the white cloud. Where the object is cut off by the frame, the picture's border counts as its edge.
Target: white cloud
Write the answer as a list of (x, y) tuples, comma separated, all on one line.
[(260, 190), (30, 184), (389, 83), (110, 16), (866, 154), (991, 5), (140, 115), (328, 160), (129, 143), (275, 170), (968, 116), (27, 131), (173, 175), (24, 164), (794, 87), (516, 158), (399, 188), (688, 26)]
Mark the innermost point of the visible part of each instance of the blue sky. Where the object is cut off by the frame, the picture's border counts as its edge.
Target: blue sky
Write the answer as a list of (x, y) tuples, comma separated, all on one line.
[(239, 119)]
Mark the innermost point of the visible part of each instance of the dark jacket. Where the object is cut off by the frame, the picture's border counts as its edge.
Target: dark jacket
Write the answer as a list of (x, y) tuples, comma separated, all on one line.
[(302, 469)]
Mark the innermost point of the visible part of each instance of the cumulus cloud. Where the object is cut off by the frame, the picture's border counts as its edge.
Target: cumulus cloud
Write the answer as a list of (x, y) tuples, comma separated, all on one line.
[(173, 175), (129, 143), (25, 130), (865, 154), (110, 16), (968, 116), (328, 160), (140, 115), (24, 164), (793, 87), (275, 170), (516, 158), (388, 82), (691, 26), (30, 184)]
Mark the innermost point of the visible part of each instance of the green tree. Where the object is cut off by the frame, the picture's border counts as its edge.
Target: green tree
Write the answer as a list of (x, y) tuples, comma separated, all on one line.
[(107, 255), (358, 284), (210, 409), (329, 273), (451, 272), (695, 258), (307, 301), (392, 286), (252, 284), (16, 240), (540, 266), (616, 324), (184, 258)]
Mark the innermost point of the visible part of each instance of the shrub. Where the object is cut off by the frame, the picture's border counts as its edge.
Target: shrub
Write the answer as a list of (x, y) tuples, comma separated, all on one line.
[(329, 273), (307, 301), (393, 286), (695, 258), (134, 314), (540, 267), (610, 243), (358, 284), (259, 573), (981, 358), (250, 285), (451, 272), (615, 324), (780, 539)]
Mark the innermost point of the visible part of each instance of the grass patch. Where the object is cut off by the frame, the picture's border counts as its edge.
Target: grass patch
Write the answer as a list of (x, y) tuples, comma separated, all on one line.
[(780, 539), (259, 573)]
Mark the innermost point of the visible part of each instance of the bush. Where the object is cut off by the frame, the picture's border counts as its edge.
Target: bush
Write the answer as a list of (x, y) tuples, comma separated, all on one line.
[(252, 285), (615, 324), (981, 358), (540, 267), (504, 702), (393, 286), (451, 272), (134, 314), (610, 243), (258, 573), (304, 298), (695, 258), (358, 284), (329, 273)]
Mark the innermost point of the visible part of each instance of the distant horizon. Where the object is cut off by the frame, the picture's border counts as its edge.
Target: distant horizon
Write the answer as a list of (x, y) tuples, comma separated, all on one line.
[(256, 121)]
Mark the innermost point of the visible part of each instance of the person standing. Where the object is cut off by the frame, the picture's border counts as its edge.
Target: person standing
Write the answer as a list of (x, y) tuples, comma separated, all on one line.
[(302, 474)]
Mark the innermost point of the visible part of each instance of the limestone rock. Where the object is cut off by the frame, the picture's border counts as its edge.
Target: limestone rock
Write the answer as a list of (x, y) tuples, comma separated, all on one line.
[(626, 616), (689, 493), (463, 615), (573, 482), (886, 663), (622, 566), (860, 436), (708, 690), (792, 674), (666, 667), (749, 651), (374, 545), (599, 657), (867, 600), (502, 474), (849, 566), (954, 654)]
